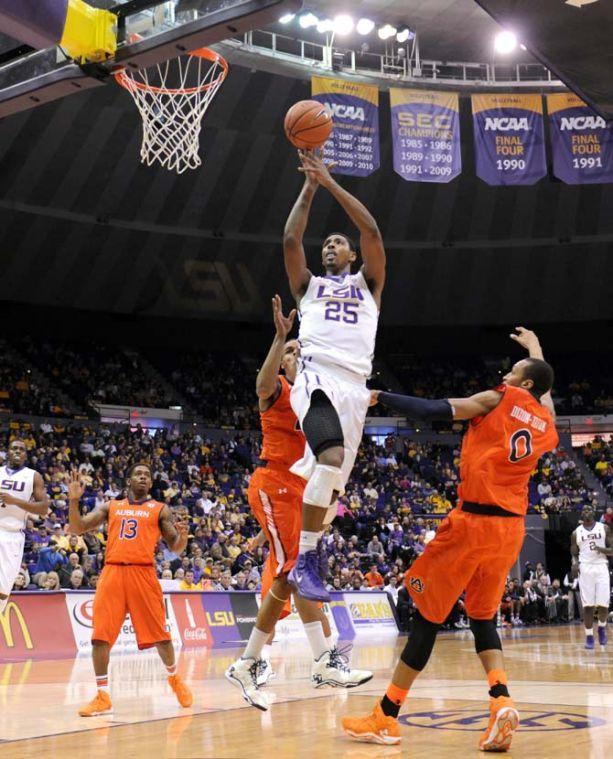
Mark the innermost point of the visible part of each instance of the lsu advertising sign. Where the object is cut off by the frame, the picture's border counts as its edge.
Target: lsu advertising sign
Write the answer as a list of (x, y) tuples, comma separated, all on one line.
[(509, 139)]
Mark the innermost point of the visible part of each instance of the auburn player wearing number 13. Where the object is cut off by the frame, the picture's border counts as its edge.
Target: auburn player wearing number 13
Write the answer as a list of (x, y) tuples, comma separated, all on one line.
[(511, 427), (129, 583)]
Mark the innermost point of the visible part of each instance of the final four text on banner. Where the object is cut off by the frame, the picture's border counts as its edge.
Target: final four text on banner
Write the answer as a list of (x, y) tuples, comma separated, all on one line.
[(426, 135), (581, 141), (509, 138), (354, 145)]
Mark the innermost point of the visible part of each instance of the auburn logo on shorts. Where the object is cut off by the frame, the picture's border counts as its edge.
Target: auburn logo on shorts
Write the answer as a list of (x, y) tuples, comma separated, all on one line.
[(416, 584)]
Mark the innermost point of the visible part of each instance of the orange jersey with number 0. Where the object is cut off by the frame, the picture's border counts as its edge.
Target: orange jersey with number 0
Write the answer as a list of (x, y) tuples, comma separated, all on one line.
[(283, 442), (500, 450), (134, 531)]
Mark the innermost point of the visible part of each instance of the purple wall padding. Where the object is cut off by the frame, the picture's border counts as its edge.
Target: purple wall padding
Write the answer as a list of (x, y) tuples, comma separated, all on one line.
[(38, 23)]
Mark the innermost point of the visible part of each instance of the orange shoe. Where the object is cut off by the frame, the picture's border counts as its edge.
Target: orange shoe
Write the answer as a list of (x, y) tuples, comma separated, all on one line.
[(504, 721), (99, 706), (182, 692), (375, 728)]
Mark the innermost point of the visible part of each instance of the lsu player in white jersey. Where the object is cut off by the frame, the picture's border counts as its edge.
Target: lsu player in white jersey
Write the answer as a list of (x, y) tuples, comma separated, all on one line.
[(339, 313), (22, 492), (590, 545)]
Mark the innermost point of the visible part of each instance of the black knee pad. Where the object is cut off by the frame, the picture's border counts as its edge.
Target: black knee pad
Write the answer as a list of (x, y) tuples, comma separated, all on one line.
[(486, 635), (321, 425), (420, 643)]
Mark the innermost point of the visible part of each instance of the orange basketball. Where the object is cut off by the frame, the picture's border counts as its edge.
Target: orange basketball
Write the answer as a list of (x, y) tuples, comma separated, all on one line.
[(308, 124)]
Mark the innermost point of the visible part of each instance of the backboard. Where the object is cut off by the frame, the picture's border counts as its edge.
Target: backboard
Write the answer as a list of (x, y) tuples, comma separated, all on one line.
[(166, 29)]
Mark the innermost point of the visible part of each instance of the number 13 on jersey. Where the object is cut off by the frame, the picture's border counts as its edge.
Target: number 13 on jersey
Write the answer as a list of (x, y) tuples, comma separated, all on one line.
[(128, 529)]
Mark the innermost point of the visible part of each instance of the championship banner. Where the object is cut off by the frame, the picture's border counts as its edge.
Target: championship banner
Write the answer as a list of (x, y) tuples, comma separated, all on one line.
[(426, 135), (509, 139), (581, 141), (354, 144)]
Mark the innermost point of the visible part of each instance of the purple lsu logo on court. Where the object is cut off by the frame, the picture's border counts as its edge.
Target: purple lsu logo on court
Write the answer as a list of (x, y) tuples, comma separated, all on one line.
[(476, 720), (17, 487)]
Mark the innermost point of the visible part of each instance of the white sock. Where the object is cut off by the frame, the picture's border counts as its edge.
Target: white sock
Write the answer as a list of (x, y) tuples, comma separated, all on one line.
[(589, 631), (266, 651), (102, 683), (317, 640), (308, 540), (171, 670), (602, 624), (330, 642), (255, 644)]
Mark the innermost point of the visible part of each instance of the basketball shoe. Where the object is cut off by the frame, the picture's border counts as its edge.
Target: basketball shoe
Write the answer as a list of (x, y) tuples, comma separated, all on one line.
[(243, 674), (589, 642), (331, 669), (181, 691), (602, 635), (374, 728), (306, 579), (265, 672), (99, 706), (504, 721)]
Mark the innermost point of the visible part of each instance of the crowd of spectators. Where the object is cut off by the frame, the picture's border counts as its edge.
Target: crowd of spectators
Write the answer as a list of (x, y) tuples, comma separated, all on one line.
[(398, 492), (599, 455)]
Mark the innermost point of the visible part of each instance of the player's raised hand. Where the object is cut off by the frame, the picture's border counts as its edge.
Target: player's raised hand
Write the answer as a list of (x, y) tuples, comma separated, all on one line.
[(182, 528), (283, 323), (526, 338), (75, 486), (374, 397), (314, 167)]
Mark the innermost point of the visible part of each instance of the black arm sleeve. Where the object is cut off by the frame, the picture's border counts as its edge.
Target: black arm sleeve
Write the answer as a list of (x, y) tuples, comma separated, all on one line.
[(422, 409)]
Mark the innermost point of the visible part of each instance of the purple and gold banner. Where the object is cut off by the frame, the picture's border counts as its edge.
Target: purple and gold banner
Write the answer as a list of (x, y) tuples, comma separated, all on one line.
[(581, 141), (354, 144), (509, 139), (426, 135)]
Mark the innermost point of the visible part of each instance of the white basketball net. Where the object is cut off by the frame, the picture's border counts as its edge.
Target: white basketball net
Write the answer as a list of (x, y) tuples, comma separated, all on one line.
[(172, 106)]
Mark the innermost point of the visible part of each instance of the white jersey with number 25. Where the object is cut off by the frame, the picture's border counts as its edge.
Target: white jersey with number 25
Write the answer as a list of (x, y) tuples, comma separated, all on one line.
[(338, 324)]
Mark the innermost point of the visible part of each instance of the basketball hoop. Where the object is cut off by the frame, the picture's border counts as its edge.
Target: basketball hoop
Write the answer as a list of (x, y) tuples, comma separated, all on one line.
[(172, 98)]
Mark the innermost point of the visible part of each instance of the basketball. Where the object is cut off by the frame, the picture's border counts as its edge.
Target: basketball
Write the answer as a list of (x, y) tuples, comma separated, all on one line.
[(308, 124)]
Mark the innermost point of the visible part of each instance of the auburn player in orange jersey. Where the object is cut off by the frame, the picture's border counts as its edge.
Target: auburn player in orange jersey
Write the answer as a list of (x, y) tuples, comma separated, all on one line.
[(128, 583), (510, 428), (275, 496)]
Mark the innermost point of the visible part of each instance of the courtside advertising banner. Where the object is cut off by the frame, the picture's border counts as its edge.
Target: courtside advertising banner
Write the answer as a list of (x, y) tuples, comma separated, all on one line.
[(426, 135), (581, 141), (509, 139), (80, 607), (371, 612), (35, 626), (354, 145)]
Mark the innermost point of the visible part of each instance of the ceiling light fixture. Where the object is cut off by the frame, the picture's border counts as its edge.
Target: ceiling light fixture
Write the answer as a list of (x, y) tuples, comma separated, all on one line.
[(365, 26), (307, 20), (505, 42), (387, 31), (287, 18), (343, 24), (325, 25)]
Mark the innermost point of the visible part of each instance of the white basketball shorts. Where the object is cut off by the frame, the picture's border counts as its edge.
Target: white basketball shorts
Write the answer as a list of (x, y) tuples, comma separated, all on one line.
[(595, 584), (11, 556), (350, 397)]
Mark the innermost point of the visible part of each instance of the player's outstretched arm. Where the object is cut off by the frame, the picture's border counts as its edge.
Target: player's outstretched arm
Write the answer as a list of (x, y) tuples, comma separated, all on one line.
[(40, 504), (175, 535), (267, 385), (77, 523), (371, 242), (293, 236), (439, 410), (529, 340)]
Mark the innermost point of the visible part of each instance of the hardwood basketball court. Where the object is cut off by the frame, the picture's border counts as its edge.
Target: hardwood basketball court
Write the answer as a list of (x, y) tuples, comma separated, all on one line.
[(564, 693)]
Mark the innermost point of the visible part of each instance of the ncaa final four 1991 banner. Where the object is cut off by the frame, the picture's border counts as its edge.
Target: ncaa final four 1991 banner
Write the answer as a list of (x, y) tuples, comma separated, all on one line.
[(426, 135), (509, 139), (581, 141), (354, 144)]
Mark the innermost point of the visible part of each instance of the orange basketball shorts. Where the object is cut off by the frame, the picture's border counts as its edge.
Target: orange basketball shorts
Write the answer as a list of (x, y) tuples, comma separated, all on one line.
[(134, 589), (470, 552), (275, 497), (267, 580)]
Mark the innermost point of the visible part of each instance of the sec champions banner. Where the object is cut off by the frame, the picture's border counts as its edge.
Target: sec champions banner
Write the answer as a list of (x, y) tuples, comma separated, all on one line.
[(426, 135), (509, 139), (354, 144), (581, 142)]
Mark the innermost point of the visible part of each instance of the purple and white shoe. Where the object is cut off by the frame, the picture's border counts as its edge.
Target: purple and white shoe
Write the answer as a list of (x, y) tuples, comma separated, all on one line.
[(305, 577), (589, 642), (602, 635)]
